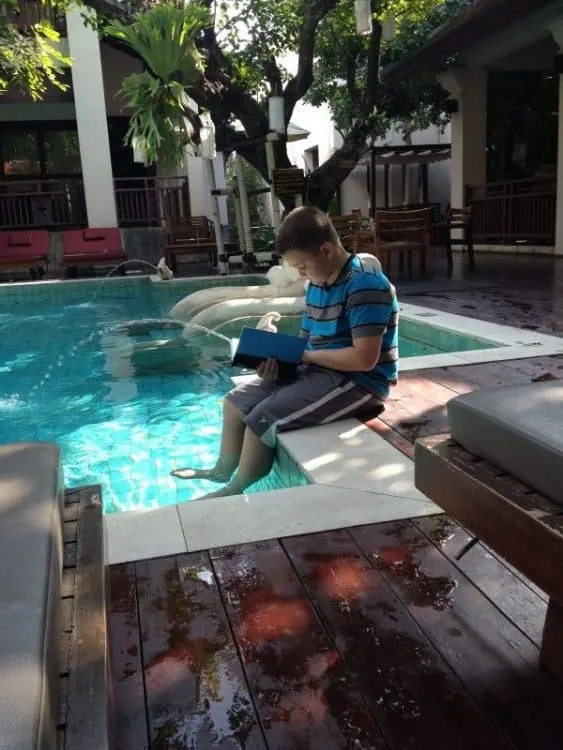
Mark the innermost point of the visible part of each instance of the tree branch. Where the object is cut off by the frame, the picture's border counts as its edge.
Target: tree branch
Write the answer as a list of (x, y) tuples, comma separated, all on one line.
[(324, 181), (218, 81), (273, 75), (351, 85), (313, 13)]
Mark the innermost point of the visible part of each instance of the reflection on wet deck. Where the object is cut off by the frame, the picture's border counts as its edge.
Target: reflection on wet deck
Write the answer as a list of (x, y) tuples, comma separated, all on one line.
[(362, 638)]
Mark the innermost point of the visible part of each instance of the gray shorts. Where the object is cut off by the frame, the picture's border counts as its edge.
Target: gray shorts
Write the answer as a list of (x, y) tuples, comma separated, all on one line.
[(317, 397)]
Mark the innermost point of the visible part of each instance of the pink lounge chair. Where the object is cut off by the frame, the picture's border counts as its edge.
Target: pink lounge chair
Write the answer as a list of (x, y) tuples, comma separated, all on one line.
[(92, 247), (25, 249)]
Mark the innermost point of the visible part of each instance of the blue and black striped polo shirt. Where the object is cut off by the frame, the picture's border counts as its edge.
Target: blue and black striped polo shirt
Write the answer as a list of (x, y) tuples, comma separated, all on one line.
[(361, 302)]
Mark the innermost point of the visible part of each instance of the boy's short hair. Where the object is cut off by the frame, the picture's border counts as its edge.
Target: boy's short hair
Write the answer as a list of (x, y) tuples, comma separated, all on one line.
[(306, 228)]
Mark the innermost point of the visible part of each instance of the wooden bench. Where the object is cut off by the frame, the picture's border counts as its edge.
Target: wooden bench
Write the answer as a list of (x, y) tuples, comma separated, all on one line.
[(51, 590), (83, 708), (520, 518)]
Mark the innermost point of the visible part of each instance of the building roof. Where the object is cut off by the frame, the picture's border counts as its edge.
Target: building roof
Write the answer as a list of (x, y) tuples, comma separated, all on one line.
[(481, 19)]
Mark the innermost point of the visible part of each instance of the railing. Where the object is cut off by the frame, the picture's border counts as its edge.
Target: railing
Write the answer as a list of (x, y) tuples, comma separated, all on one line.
[(30, 12), (46, 204), (520, 211), (60, 203), (151, 201)]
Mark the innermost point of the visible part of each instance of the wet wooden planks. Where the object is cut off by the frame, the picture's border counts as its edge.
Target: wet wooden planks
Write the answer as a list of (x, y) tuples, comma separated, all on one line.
[(370, 638), (82, 719), (417, 406)]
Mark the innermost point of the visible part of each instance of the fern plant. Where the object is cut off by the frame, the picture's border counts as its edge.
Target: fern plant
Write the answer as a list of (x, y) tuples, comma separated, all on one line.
[(164, 37)]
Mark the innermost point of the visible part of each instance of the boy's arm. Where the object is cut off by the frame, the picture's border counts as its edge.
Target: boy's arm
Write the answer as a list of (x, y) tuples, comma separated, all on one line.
[(369, 309), (361, 357)]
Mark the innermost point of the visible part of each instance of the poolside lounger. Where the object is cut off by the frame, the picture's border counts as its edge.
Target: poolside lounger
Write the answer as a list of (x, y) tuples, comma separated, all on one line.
[(500, 474), (92, 247), (24, 249)]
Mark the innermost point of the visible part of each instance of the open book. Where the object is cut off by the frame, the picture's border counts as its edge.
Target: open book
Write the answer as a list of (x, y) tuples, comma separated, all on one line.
[(254, 346)]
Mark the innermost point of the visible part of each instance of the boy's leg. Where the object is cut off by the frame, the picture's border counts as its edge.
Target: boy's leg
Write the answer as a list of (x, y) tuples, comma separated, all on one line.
[(240, 401), (317, 397)]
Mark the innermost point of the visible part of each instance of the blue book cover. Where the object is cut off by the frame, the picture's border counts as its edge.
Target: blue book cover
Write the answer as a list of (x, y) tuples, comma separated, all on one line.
[(254, 346)]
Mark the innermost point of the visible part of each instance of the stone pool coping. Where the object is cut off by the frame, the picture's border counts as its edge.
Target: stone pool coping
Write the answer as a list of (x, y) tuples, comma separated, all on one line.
[(357, 478), (511, 343)]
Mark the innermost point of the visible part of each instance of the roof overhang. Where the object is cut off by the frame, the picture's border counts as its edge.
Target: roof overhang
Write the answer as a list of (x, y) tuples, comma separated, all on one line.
[(405, 155), (481, 20)]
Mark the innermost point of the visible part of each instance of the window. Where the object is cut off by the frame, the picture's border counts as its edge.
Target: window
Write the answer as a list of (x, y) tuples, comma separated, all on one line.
[(20, 153), (62, 154)]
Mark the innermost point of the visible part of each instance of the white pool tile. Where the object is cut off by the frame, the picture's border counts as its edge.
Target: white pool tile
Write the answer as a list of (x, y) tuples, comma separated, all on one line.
[(349, 455), (136, 535), (425, 361), (499, 333), (502, 354), (266, 515)]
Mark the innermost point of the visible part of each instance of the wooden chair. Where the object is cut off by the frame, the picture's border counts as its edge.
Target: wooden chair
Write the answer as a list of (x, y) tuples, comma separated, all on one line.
[(346, 227), (364, 242), (462, 220), (190, 237), (403, 232)]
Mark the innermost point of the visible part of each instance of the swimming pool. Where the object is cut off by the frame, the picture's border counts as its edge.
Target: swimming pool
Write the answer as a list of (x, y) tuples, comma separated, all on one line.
[(126, 433)]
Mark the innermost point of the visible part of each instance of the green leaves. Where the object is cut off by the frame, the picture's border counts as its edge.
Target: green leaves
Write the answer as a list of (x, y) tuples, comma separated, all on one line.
[(164, 37), (341, 66), (30, 61)]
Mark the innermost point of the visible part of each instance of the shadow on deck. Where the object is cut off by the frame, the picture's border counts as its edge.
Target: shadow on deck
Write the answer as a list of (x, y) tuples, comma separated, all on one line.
[(370, 637)]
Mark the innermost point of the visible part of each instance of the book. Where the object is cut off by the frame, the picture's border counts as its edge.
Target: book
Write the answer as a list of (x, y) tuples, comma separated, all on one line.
[(254, 346)]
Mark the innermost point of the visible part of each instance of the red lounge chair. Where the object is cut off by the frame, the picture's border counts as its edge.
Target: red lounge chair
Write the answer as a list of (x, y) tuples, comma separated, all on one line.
[(92, 247), (25, 249)]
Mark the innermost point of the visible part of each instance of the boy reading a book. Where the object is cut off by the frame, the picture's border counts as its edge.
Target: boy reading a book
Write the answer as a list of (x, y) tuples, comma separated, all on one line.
[(348, 367)]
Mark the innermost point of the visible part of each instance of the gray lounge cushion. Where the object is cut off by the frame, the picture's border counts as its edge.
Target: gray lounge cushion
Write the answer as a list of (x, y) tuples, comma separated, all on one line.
[(31, 561), (519, 428)]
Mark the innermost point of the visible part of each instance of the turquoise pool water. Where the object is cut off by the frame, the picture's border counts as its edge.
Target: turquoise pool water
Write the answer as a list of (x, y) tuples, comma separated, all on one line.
[(125, 432)]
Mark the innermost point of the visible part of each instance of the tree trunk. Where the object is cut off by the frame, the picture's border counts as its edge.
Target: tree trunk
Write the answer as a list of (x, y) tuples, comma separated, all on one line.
[(322, 184)]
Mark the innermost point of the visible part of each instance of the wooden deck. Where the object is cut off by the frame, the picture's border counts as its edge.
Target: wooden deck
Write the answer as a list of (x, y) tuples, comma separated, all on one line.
[(371, 637), (362, 638), (417, 406)]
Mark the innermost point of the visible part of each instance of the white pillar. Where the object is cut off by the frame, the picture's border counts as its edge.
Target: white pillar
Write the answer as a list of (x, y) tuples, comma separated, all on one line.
[(221, 183), (200, 204), (559, 199), (556, 29), (91, 121), (468, 86)]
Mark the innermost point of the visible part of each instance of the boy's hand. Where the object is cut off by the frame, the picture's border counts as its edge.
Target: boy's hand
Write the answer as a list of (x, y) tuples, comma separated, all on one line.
[(268, 370)]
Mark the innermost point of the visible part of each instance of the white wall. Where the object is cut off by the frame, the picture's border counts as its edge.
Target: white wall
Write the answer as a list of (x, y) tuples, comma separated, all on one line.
[(322, 134), (354, 193), (116, 65)]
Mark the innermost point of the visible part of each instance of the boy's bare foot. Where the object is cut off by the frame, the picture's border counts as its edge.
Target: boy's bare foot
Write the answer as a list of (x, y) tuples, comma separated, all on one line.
[(211, 475)]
